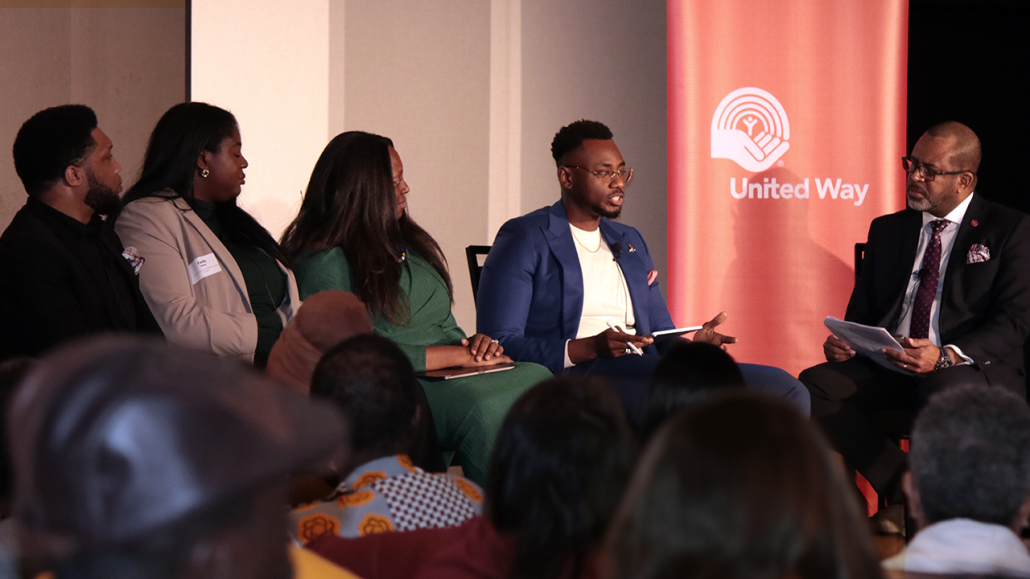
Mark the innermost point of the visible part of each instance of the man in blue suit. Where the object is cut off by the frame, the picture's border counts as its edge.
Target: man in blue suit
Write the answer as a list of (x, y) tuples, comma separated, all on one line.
[(568, 288)]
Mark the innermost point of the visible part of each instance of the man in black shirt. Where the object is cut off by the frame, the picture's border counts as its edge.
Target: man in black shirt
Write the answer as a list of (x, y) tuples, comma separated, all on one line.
[(63, 271)]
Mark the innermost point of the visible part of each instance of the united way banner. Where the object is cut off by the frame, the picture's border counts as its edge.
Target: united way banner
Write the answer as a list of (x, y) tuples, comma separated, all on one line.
[(786, 130)]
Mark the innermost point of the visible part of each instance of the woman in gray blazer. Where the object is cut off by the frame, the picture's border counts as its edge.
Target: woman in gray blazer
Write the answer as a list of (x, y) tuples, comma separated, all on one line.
[(214, 278)]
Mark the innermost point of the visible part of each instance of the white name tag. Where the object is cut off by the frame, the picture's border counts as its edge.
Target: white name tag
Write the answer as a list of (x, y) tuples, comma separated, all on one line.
[(202, 267)]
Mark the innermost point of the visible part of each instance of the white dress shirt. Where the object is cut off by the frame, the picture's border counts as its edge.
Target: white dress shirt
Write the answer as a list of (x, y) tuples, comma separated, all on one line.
[(947, 244)]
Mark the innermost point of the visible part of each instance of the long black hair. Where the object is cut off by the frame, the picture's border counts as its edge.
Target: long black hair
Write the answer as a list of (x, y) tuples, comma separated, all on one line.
[(170, 164), (351, 203), (562, 459), (740, 486), (688, 373)]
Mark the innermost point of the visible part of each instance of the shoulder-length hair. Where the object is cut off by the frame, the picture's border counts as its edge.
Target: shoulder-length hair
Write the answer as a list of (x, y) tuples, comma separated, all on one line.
[(688, 373), (351, 203), (739, 487), (170, 164), (561, 461)]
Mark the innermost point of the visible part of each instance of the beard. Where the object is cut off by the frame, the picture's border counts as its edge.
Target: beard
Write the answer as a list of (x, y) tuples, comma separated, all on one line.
[(923, 204), (601, 211), (100, 198)]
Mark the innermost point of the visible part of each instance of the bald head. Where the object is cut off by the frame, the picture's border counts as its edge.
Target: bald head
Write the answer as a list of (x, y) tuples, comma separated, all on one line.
[(965, 153)]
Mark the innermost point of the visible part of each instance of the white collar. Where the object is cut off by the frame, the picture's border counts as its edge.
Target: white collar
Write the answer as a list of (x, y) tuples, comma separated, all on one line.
[(967, 546), (956, 214)]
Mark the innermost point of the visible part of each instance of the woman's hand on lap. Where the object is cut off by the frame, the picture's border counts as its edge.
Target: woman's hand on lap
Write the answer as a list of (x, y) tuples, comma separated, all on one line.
[(482, 347), (498, 359)]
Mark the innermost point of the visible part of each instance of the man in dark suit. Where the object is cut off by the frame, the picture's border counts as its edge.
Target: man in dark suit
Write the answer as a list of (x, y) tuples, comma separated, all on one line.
[(63, 271), (568, 288), (952, 274)]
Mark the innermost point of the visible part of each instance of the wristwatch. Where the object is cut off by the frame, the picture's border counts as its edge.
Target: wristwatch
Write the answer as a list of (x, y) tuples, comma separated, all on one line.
[(944, 361)]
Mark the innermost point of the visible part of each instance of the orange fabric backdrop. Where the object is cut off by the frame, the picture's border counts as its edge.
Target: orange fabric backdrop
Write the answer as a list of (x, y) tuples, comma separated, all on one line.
[(804, 93)]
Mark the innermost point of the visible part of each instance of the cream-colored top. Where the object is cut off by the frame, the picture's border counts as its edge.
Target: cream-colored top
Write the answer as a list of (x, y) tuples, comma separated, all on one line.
[(606, 297)]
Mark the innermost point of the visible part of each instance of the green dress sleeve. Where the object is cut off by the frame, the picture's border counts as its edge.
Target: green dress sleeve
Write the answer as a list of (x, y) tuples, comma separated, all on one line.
[(329, 270), (325, 270)]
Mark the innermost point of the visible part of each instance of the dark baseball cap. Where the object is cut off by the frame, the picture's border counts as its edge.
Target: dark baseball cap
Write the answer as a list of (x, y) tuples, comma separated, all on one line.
[(119, 437)]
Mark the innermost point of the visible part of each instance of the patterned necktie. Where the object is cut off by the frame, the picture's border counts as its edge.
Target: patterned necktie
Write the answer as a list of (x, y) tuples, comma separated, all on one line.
[(928, 276)]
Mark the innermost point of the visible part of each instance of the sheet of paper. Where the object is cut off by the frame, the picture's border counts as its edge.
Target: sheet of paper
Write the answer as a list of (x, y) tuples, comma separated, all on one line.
[(866, 340)]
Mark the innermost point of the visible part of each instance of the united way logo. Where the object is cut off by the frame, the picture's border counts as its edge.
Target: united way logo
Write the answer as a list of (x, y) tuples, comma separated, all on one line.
[(750, 127)]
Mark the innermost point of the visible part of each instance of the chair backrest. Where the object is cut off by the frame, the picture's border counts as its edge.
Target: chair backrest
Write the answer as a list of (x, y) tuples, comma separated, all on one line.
[(472, 254), (859, 256)]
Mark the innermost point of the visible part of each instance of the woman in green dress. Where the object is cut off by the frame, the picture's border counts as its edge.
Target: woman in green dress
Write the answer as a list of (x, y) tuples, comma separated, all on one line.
[(353, 233)]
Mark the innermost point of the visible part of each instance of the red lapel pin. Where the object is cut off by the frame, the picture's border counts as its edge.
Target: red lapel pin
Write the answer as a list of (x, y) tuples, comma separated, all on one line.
[(974, 223)]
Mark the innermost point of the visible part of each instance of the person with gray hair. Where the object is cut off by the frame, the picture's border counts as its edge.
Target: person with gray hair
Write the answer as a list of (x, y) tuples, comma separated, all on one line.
[(136, 460), (969, 484)]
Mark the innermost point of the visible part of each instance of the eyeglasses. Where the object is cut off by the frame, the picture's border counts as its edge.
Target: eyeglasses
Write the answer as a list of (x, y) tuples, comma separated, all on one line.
[(911, 166), (626, 173)]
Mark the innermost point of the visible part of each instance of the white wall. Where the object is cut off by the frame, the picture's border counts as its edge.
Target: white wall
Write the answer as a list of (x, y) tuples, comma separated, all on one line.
[(419, 73), (470, 91), (267, 62)]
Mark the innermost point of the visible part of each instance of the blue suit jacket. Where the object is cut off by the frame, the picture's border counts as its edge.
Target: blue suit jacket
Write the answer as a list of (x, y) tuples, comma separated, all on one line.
[(531, 291)]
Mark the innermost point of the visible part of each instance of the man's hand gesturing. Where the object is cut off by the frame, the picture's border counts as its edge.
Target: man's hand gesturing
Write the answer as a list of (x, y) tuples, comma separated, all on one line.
[(708, 334)]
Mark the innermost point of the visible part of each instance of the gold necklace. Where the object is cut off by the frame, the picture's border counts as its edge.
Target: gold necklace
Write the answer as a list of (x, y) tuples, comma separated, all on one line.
[(600, 240)]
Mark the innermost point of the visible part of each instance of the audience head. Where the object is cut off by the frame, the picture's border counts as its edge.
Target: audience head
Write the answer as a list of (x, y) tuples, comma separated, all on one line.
[(688, 373), (970, 457), (135, 460), (324, 320), (373, 383), (354, 201), (738, 487), (559, 465), (571, 137)]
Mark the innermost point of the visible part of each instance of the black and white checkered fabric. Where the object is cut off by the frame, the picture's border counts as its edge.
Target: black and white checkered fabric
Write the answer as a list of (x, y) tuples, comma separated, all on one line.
[(422, 500)]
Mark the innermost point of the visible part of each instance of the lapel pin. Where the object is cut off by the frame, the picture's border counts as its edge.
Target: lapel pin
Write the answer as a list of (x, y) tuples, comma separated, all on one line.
[(631, 250), (974, 223)]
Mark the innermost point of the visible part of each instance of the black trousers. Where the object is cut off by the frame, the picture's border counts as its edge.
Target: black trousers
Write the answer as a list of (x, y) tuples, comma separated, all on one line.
[(848, 396)]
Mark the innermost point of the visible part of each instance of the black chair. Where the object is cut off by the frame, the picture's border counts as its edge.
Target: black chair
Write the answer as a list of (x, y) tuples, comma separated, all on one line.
[(472, 254), (859, 256)]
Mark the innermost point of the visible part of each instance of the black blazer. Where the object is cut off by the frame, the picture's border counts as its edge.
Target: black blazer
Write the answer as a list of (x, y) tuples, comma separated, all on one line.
[(54, 287), (985, 306)]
